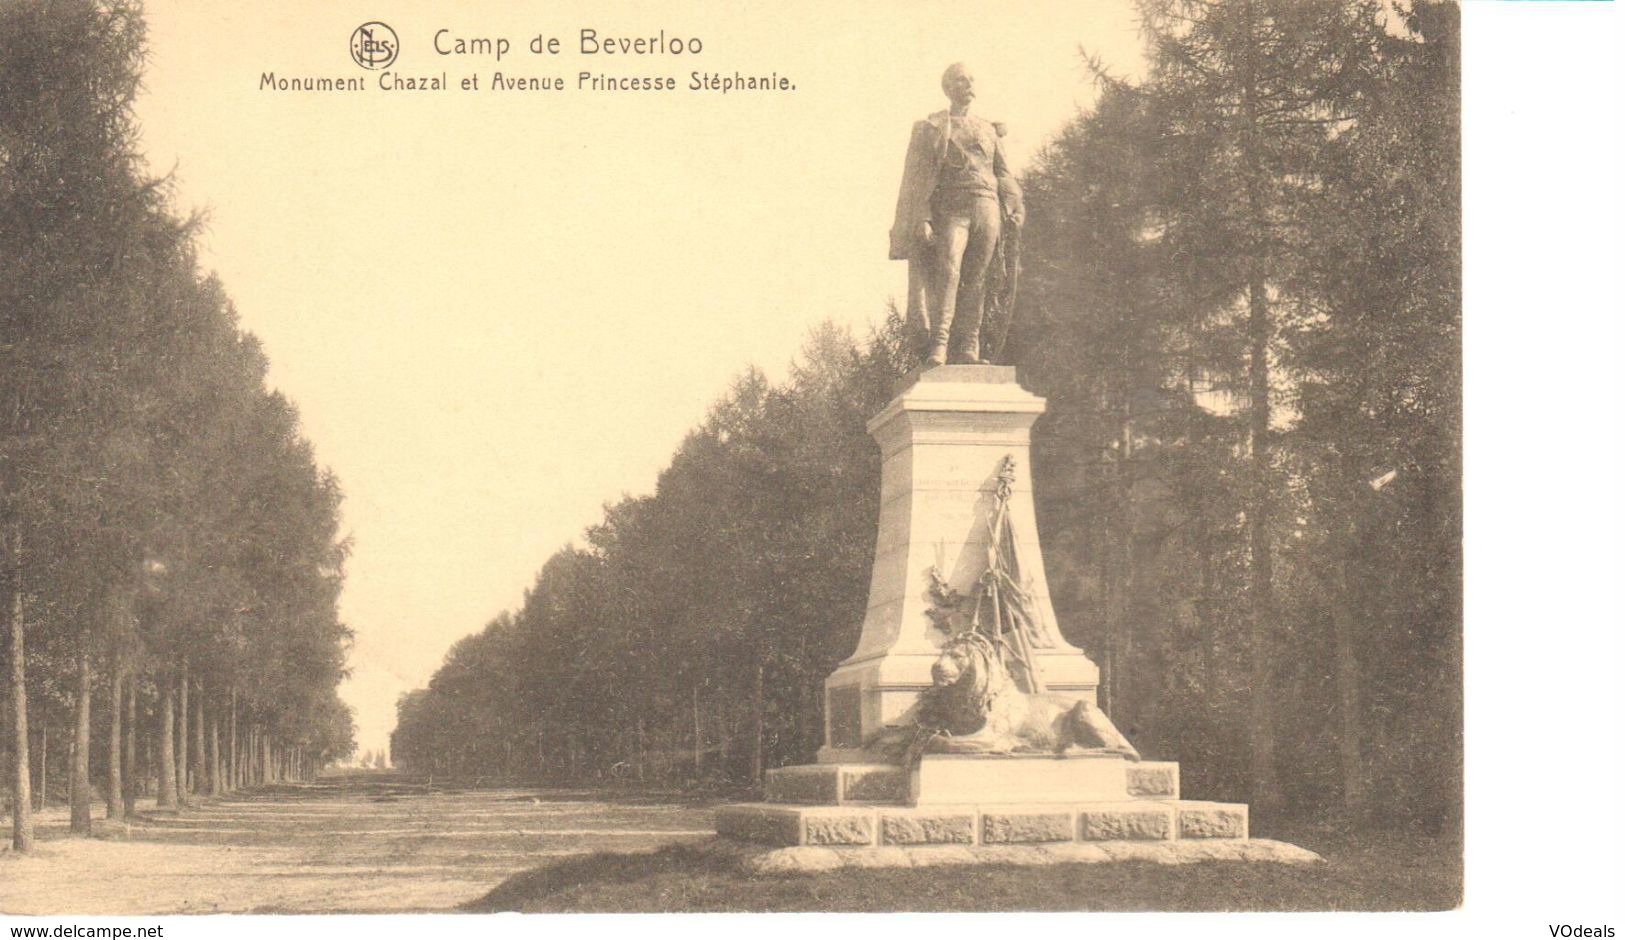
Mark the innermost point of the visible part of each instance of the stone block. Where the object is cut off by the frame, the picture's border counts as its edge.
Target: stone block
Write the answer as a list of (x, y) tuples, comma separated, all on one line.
[(1199, 820), (811, 784), (1162, 853), (800, 859), (838, 828), (928, 827), (1145, 820), (1071, 853), (1020, 779), (1007, 854), (1002, 826), (1269, 850), (761, 823), (874, 784), (1154, 780), (1210, 850), (930, 855), (877, 857)]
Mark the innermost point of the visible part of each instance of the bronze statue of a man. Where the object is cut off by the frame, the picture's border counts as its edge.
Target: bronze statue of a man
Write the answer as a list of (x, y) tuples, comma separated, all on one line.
[(956, 199)]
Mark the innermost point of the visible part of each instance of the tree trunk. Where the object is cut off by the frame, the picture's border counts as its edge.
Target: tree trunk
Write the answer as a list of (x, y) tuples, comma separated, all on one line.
[(1265, 790), (44, 759), (758, 723), (1347, 668), (1204, 607), (699, 739), (1124, 590), (79, 783), (1109, 587), (128, 790), (168, 798), (22, 816), (643, 749), (200, 750), (182, 784), (234, 776), (115, 741), (217, 785)]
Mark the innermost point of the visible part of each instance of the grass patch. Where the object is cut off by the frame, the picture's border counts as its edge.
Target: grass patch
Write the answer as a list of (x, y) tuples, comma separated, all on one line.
[(1365, 872)]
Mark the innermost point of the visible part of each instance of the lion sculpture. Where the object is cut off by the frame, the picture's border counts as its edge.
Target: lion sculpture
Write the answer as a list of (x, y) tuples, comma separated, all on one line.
[(974, 706)]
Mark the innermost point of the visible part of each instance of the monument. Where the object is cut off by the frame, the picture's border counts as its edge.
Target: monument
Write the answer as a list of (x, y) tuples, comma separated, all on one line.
[(959, 214), (964, 726)]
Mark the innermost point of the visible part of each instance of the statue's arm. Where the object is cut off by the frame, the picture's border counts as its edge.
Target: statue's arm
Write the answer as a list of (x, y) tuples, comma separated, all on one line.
[(1010, 198), (914, 195)]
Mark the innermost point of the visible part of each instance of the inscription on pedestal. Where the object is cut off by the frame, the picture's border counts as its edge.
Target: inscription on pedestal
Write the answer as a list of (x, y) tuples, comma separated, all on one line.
[(845, 704)]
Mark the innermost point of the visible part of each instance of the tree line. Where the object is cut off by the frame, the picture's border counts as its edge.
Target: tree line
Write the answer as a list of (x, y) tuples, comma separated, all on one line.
[(1241, 299), (169, 552)]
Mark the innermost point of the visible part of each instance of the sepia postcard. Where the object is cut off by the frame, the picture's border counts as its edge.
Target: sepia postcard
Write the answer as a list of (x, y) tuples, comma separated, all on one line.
[(830, 457)]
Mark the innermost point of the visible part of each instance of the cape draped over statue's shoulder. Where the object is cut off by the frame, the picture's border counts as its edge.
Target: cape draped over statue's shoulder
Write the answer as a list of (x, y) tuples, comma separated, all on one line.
[(925, 151), (927, 147)]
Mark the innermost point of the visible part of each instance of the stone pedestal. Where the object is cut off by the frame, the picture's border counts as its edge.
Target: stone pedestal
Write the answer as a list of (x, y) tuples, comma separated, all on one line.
[(942, 440), (979, 800)]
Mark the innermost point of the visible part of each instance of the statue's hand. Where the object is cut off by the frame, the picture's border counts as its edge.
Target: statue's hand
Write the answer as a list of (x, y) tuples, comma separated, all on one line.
[(923, 234)]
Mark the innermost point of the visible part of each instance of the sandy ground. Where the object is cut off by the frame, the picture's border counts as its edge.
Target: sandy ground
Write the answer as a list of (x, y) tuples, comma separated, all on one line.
[(344, 844)]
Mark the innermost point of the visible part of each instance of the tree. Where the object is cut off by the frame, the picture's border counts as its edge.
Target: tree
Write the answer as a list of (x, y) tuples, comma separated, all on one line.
[(1246, 93), (67, 193), (157, 504), (1380, 399)]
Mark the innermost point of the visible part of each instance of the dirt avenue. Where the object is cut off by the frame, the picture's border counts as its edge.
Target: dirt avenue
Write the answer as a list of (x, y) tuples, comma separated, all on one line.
[(353, 843)]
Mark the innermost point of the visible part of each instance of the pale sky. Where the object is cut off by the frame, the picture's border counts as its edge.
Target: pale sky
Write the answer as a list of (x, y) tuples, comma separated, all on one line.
[(497, 311)]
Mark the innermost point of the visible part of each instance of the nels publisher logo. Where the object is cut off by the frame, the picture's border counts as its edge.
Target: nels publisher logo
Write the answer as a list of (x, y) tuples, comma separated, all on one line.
[(374, 45)]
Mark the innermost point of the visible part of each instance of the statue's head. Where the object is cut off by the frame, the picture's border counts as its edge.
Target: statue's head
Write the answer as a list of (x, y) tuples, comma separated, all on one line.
[(966, 680), (959, 85), (966, 659)]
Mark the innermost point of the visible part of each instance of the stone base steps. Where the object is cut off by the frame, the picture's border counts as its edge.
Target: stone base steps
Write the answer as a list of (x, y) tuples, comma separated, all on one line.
[(809, 859), (834, 784), (976, 779), (856, 824)]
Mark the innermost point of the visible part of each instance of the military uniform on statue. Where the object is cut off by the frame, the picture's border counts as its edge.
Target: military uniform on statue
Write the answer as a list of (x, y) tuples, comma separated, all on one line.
[(956, 199)]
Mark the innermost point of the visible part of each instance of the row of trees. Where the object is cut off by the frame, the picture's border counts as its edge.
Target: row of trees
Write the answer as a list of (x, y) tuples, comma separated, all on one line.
[(691, 635), (170, 564), (1242, 301)]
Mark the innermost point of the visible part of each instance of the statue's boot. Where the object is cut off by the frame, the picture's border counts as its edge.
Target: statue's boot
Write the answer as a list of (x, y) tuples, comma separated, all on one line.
[(968, 344), (968, 351), (937, 354)]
